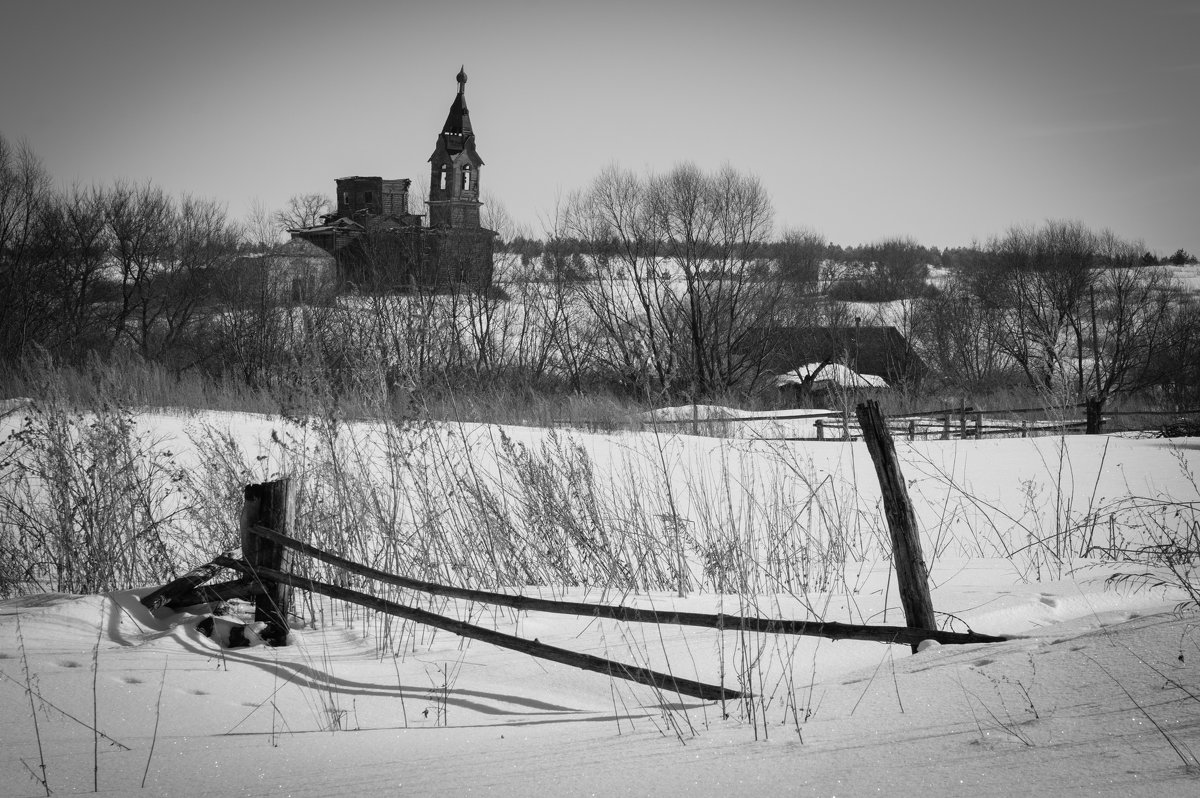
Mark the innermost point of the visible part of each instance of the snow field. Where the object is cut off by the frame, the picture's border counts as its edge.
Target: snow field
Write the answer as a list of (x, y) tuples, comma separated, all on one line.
[(1095, 696)]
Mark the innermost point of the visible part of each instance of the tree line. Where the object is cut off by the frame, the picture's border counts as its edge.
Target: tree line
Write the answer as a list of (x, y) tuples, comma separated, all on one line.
[(661, 286)]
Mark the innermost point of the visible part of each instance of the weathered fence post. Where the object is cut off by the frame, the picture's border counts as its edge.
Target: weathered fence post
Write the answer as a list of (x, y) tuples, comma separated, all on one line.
[(962, 420), (1095, 419), (946, 427), (912, 429), (846, 423), (978, 425), (268, 505), (820, 425), (911, 574)]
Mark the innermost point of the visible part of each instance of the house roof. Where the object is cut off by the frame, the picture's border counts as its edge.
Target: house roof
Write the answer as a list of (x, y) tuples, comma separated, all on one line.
[(830, 375), (872, 349)]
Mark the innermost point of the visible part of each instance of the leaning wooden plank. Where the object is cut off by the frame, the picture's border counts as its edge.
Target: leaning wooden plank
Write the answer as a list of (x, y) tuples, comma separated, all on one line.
[(209, 594), (912, 575), (832, 629), (177, 587), (587, 662)]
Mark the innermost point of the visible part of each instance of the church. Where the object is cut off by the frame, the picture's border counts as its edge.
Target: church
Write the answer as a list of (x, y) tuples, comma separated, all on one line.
[(380, 247)]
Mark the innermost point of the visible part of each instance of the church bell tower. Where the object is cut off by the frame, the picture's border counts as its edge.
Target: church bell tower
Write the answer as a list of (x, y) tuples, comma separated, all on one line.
[(454, 169)]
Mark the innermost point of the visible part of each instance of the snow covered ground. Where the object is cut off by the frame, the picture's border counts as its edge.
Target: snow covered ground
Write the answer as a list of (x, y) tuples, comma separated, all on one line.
[(1097, 692)]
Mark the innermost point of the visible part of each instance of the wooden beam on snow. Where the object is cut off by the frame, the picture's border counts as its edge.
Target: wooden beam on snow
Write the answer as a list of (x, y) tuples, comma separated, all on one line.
[(587, 662)]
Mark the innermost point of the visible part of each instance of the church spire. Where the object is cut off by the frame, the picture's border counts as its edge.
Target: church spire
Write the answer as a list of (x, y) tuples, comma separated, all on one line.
[(458, 121), (455, 167)]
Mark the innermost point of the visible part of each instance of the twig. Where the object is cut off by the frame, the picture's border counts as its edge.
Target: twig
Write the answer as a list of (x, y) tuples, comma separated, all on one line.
[(96, 712), (32, 709), (157, 715)]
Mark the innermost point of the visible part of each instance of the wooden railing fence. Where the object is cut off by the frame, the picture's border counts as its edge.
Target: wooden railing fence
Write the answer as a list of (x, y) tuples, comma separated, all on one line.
[(935, 424), (267, 547)]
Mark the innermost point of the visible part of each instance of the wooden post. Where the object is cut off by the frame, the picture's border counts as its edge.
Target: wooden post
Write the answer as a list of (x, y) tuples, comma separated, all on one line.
[(268, 504), (1095, 420), (846, 423), (946, 427), (1024, 428), (820, 425), (978, 425), (912, 429), (962, 419), (912, 577)]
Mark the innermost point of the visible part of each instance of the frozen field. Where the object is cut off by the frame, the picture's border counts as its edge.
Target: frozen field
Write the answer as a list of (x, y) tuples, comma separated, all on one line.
[(1094, 694)]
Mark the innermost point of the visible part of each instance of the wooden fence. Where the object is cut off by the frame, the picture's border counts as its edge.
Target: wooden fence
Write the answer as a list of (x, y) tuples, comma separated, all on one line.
[(938, 424), (268, 550)]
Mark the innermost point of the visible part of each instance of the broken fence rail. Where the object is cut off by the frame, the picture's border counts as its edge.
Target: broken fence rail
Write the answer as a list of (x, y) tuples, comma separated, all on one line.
[(587, 662), (830, 629)]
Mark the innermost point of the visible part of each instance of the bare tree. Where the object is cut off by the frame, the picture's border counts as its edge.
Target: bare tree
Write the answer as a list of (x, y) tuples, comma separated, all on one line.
[(169, 255), (261, 230), (303, 210), (139, 219), (71, 248), (1130, 320), (962, 337), (894, 268), (800, 255), (1040, 277), (203, 247), (24, 188), (693, 334), (629, 302)]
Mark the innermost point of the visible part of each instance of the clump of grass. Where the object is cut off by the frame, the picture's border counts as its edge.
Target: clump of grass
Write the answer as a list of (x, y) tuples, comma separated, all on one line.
[(86, 502), (130, 381)]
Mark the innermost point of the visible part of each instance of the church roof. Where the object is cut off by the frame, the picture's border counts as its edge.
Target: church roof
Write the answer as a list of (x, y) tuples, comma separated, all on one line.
[(340, 225), (457, 132)]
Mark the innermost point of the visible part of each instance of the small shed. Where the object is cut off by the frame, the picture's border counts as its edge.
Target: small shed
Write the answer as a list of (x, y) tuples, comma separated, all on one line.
[(826, 385), (297, 272)]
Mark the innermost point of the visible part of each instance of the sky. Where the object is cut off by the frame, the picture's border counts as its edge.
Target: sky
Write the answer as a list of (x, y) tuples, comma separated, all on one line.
[(944, 121)]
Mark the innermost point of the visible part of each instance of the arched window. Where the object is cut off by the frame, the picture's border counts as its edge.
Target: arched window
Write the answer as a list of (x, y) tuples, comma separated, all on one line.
[(467, 178), (444, 178)]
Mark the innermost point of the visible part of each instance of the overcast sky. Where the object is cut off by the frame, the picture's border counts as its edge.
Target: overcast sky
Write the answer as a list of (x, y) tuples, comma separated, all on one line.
[(948, 121)]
